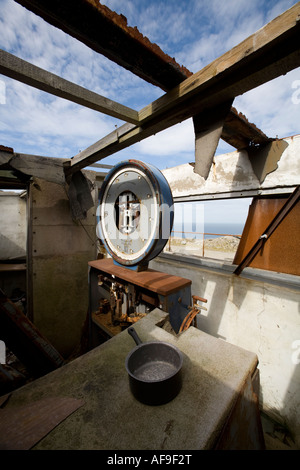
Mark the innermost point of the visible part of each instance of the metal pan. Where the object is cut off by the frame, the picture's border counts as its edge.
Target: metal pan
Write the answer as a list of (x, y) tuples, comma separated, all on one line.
[(154, 371)]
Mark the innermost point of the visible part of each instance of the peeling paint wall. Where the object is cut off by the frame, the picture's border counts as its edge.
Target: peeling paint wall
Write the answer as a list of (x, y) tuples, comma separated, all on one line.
[(234, 173)]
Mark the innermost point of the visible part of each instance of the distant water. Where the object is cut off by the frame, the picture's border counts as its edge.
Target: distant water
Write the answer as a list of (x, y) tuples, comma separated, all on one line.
[(218, 229)]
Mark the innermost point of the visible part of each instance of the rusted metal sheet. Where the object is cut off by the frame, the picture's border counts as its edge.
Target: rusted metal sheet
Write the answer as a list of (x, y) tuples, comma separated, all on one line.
[(23, 338), (3, 148), (270, 239), (161, 283), (107, 33)]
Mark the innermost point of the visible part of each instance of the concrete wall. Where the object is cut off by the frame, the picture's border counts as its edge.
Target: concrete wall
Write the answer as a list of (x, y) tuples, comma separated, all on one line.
[(258, 311), (13, 226), (237, 173), (61, 249)]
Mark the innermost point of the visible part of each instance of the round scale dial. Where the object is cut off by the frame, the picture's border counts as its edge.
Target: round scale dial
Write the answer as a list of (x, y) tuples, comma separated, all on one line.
[(135, 214)]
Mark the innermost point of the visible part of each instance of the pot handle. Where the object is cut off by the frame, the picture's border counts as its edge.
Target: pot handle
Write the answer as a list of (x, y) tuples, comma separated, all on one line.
[(134, 335)]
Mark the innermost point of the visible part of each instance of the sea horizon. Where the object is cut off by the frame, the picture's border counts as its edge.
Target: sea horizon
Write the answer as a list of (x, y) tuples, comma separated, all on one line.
[(211, 230)]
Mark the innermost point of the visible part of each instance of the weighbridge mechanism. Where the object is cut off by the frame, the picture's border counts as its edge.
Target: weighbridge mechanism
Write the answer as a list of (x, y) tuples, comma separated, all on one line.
[(134, 222)]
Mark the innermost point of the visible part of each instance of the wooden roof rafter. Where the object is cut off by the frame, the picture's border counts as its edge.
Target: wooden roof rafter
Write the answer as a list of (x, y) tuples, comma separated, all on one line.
[(270, 52), (107, 33), (30, 74)]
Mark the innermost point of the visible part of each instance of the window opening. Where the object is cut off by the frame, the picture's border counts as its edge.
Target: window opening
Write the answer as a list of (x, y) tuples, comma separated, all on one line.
[(13, 245), (210, 229)]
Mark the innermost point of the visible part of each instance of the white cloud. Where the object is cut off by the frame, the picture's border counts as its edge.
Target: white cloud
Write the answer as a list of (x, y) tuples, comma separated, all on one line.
[(195, 32), (271, 106), (176, 140), (32, 116)]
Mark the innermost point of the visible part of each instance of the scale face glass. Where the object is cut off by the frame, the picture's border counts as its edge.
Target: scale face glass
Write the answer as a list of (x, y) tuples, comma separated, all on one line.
[(135, 212)]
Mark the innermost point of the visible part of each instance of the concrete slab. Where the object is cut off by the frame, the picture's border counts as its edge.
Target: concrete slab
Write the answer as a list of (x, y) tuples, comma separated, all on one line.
[(214, 376)]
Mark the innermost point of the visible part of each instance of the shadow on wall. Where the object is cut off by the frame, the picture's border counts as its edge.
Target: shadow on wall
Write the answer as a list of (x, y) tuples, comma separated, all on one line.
[(258, 317), (10, 250)]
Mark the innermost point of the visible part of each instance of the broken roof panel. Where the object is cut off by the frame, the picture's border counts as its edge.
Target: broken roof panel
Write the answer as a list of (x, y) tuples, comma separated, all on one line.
[(108, 33)]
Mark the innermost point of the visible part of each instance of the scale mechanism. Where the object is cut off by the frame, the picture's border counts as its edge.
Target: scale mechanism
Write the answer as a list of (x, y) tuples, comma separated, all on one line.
[(134, 222)]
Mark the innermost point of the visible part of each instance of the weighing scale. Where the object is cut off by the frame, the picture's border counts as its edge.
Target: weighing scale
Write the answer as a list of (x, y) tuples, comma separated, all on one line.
[(134, 222)]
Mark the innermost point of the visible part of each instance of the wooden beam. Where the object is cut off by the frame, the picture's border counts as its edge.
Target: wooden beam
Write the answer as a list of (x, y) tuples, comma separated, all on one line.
[(19, 69), (107, 33), (50, 169), (25, 340), (240, 133), (272, 51)]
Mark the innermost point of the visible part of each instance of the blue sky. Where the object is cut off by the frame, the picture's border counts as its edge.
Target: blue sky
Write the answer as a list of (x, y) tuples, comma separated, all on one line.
[(195, 32)]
